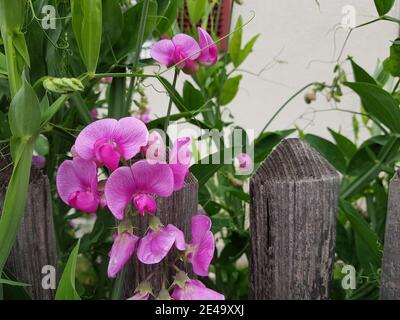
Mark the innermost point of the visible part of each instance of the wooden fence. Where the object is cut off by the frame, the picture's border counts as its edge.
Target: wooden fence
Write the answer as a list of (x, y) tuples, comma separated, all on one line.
[(293, 207)]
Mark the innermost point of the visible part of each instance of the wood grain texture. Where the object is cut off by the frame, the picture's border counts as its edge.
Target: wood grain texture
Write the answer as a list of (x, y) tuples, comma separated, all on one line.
[(35, 245), (390, 279), (294, 200), (178, 210)]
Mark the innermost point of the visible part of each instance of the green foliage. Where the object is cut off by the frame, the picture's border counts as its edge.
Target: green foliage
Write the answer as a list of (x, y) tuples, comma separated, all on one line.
[(384, 6), (66, 288), (87, 26)]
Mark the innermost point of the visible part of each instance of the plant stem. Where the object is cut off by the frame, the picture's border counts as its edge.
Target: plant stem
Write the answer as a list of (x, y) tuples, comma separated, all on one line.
[(166, 123), (118, 286), (142, 28), (284, 105), (396, 87)]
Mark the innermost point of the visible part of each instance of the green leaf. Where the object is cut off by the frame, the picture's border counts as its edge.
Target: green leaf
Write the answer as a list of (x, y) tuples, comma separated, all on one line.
[(347, 147), (328, 150), (168, 17), (13, 283), (392, 64), (15, 199), (248, 48), (113, 22), (266, 142), (3, 64), (230, 90), (360, 75), (193, 98), (366, 235), (379, 104), (24, 114), (130, 36), (42, 145), (87, 26), (66, 288), (383, 6), (235, 44), (196, 9)]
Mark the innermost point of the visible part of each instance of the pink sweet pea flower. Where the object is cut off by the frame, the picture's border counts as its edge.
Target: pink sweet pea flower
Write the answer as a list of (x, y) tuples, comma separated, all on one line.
[(121, 252), (155, 149), (171, 52), (202, 247), (245, 162), (179, 161), (77, 184), (209, 50), (93, 113), (137, 184), (155, 246), (39, 161), (107, 140), (195, 290)]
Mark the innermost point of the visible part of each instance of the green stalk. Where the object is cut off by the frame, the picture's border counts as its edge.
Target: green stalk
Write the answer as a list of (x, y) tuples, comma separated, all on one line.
[(167, 118), (14, 72), (15, 201), (142, 28), (118, 286)]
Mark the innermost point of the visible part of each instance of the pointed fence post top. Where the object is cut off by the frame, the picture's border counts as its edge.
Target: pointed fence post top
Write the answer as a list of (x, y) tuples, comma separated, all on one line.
[(294, 159)]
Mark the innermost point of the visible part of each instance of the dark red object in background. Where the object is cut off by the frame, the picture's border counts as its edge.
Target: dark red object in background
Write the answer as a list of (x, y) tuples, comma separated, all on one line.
[(219, 17)]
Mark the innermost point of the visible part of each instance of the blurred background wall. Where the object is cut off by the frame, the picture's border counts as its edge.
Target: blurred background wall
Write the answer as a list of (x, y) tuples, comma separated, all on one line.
[(300, 43)]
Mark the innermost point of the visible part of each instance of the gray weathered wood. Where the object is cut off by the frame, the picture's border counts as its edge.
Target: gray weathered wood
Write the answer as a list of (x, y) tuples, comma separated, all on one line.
[(35, 246), (294, 198), (178, 210), (390, 279)]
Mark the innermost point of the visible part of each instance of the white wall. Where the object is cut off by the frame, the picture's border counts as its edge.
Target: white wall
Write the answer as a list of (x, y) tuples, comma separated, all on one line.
[(302, 35)]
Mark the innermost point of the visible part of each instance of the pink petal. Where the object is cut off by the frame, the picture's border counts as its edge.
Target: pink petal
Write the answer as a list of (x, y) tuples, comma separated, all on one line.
[(155, 246), (179, 161), (84, 201), (145, 203), (141, 178), (245, 162), (195, 290), (201, 224), (130, 135), (163, 52), (155, 149), (84, 144), (76, 175), (119, 190), (190, 67), (209, 53), (203, 255), (180, 242), (107, 155), (153, 178), (189, 46), (121, 251)]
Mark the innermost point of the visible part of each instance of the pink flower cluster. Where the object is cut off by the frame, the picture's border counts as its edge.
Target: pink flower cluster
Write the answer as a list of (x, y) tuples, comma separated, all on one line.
[(130, 190), (185, 52)]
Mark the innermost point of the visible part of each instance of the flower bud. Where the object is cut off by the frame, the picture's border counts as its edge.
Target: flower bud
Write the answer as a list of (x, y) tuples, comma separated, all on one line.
[(310, 96), (63, 85)]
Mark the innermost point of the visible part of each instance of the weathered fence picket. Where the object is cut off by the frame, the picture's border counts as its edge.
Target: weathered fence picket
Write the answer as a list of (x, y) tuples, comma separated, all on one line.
[(294, 199), (35, 246), (177, 209), (390, 279)]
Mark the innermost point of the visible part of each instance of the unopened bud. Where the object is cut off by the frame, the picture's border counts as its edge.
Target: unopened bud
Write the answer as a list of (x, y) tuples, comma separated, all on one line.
[(63, 85), (310, 96)]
